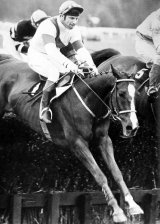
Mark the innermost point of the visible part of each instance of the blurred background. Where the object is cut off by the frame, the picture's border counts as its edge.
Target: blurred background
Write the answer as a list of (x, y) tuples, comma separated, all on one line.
[(112, 13), (104, 23)]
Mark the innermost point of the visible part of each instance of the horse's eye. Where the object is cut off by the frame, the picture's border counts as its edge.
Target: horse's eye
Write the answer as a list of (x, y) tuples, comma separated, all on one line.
[(122, 94)]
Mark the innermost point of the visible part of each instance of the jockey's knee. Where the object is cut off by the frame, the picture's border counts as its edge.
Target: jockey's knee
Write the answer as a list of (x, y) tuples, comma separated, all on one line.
[(53, 74)]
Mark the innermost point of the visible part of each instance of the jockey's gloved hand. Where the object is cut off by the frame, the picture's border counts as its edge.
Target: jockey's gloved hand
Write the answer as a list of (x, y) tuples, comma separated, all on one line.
[(88, 70), (71, 67), (82, 64), (94, 70)]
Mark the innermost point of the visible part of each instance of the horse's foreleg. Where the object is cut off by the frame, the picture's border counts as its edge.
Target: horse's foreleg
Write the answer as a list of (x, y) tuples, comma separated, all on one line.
[(81, 150), (106, 148), (2, 107)]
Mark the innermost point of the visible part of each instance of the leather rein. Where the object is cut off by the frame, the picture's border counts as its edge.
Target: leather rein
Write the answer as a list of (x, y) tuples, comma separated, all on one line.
[(111, 110)]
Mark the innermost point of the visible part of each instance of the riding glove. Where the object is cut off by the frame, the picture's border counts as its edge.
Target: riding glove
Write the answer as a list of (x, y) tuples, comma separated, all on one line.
[(95, 70), (71, 67)]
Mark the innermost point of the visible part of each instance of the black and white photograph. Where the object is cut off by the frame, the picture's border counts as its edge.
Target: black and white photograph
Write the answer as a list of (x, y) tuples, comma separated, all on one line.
[(79, 112)]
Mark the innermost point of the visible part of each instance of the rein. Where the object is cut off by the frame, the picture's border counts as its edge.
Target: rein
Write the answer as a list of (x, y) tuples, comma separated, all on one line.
[(84, 104), (142, 85), (115, 109)]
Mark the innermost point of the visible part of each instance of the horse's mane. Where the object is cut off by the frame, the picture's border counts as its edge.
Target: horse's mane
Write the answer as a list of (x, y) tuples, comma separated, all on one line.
[(102, 55), (98, 81)]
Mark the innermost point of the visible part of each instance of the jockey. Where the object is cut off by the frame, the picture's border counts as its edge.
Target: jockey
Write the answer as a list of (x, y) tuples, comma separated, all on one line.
[(44, 54), (148, 47), (24, 30)]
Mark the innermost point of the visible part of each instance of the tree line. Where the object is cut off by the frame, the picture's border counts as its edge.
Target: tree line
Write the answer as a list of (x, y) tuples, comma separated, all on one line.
[(112, 13)]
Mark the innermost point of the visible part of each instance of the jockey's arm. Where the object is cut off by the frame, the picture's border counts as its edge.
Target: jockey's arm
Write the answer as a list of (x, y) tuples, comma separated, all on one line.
[(156, 34), (156, 41), (55, 54), (84, 55)]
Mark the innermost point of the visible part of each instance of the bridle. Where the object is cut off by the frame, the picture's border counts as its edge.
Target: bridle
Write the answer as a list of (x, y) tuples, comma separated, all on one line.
[(116, 112)]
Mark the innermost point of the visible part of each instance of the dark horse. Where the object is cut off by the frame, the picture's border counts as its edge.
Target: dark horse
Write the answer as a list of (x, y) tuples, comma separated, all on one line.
[(148, 112), (80, 115)]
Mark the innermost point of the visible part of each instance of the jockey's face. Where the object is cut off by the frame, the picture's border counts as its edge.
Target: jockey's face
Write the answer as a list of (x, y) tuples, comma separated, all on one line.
[(69, 21)]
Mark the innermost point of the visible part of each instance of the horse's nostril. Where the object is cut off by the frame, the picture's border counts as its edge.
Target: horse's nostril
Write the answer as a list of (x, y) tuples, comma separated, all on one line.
[(129, 128)]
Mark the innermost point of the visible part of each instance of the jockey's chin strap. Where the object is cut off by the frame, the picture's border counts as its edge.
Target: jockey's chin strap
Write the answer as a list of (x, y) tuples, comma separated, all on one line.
[(116, 112)]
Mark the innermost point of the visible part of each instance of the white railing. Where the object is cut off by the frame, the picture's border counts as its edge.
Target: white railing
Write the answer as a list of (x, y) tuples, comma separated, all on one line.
[(107, 37)]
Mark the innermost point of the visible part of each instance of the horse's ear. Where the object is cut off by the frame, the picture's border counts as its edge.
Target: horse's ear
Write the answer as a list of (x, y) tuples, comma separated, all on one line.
[(134, 70), (115, 72)]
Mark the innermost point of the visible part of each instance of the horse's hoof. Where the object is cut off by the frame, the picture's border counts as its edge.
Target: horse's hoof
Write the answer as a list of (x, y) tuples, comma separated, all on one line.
[(131, 207), (119, 217), (136, 210)]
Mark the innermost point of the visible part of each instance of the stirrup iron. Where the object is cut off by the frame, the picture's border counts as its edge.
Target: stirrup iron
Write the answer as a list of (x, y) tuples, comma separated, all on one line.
[(44, 110)]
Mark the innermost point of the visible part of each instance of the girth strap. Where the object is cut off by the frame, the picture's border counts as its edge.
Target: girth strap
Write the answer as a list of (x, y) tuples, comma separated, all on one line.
[(83, 103)]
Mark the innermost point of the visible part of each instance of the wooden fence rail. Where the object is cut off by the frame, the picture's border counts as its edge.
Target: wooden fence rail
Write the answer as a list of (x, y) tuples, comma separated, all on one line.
[(149, 200)]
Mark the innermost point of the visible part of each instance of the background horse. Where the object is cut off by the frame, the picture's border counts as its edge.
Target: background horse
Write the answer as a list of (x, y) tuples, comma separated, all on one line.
[(104, 54), (79, 116), (146, 111)]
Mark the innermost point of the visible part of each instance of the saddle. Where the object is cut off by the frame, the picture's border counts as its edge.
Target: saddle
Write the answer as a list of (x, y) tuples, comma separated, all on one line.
[(65, 81), (38, 86), (142, 74)]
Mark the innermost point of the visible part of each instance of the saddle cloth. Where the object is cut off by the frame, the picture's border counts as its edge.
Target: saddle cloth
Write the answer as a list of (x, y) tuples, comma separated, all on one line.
[(142, 74), (63, 84)]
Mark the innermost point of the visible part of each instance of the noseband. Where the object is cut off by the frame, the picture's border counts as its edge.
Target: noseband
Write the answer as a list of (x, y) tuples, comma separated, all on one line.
[(116, 112)]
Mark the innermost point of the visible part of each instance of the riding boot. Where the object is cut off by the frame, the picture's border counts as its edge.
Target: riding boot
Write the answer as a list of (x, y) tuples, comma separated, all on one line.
[(45, 114), (154, 76)]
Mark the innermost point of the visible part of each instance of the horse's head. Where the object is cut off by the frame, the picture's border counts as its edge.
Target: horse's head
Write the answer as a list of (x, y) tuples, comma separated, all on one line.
[(123, 102)]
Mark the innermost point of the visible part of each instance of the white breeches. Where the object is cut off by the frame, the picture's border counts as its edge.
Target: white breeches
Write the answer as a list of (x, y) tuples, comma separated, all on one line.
[(44, 66), (146, 50)]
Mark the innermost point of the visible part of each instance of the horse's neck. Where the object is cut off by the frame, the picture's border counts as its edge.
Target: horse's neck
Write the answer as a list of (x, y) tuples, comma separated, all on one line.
[(101, 85), (104, 82), (95, 93)]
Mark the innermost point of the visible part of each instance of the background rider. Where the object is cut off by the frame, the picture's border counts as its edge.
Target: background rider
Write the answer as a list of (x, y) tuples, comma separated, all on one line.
[(148, 48)]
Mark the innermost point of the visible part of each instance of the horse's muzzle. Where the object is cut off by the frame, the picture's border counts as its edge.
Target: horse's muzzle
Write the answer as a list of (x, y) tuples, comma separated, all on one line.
[(129, 132)]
